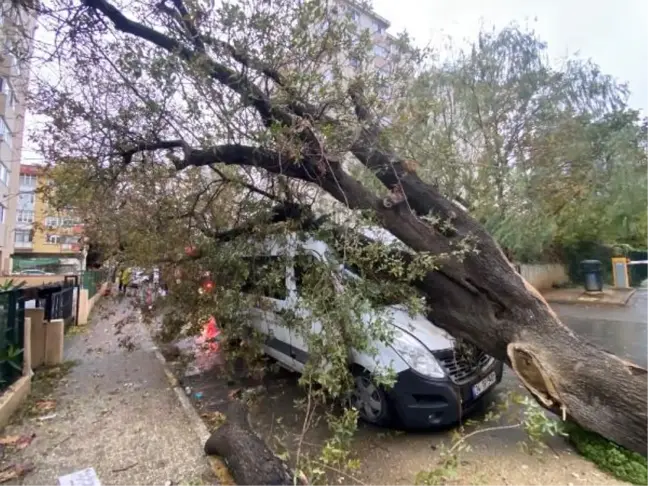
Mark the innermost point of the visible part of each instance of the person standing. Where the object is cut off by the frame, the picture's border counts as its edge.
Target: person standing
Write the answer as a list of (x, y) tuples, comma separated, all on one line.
[(120, 272), (125, 280)]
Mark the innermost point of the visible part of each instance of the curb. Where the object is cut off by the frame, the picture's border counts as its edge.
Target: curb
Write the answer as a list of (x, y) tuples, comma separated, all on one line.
[(578, 301), (218, 467), (196, 422)]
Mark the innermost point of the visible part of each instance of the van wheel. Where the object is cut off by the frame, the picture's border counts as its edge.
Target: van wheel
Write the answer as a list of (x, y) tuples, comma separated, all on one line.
[(369, 399)]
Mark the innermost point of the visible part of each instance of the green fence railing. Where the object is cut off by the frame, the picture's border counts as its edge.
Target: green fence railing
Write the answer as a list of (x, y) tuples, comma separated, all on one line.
[(92, 280), (12, 336)]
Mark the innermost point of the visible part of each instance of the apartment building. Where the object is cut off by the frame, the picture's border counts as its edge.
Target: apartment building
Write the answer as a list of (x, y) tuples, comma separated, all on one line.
[(45, 238), (366, 19), (16, 30)]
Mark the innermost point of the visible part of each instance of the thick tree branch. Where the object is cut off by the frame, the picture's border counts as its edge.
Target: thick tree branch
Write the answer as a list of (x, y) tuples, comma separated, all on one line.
[(334, 180), (250, 187), (481, 297), (224, 75)]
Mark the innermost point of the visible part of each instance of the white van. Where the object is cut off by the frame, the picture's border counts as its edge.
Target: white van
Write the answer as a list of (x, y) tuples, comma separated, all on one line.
[(435, 386)]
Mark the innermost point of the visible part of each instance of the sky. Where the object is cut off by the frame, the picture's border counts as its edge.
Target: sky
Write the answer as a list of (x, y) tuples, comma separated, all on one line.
[(614, 34)]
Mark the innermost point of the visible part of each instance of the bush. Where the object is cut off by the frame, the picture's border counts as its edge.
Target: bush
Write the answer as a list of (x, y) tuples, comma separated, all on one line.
[(622, 463)]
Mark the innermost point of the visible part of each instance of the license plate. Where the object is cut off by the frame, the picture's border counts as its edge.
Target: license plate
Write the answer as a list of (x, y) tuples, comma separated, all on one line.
[(484, 385)]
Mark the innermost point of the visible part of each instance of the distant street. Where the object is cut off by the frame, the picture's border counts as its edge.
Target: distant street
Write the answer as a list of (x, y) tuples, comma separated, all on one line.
[(619, 330)]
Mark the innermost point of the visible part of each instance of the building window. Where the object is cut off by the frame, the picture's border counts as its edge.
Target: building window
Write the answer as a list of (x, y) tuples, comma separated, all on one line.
[(68, 222), (4, 174), (5, 133), (6, 89), (70, 240), (3, 213), (53, 239), (354, 14), (28, 180), (25, 216), (52, 222), (23, 236), (13, 61), (26, 200), (380, 51), (379, 28)]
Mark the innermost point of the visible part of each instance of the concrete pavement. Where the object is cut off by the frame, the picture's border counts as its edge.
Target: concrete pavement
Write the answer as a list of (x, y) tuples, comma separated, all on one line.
[(115, 412)]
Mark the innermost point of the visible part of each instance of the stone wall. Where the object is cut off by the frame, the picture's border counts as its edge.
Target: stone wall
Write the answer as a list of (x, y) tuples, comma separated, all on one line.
[(545, 276)]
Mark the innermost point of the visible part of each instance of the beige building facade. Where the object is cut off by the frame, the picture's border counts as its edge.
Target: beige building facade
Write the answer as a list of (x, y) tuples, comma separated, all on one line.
[(16, 28)]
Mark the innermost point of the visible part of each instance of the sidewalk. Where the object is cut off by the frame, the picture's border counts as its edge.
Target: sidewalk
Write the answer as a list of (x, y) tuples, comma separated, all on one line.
[(609, 296), (115, 412)]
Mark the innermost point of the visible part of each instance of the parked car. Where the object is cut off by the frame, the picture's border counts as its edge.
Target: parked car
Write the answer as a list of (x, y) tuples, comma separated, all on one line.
[(138, 278), (35, 271), (436, 384)]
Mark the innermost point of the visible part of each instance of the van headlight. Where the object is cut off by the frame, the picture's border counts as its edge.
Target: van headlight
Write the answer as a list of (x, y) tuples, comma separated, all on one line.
[(417, 356)]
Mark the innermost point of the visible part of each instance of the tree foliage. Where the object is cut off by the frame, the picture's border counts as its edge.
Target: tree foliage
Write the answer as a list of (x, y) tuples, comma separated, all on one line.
[(544, 155), (173, 124)]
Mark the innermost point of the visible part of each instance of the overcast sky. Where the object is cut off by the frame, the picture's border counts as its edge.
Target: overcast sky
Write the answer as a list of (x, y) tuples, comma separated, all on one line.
[(614, 34)]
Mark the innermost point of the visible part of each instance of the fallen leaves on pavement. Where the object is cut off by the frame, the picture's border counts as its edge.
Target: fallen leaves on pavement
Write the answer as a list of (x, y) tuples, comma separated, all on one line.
[(45, 405), (213, 419), (14, 471), (17, 441)]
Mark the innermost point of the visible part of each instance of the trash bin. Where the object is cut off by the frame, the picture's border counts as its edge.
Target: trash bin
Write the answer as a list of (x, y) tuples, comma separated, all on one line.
[(592, 275)]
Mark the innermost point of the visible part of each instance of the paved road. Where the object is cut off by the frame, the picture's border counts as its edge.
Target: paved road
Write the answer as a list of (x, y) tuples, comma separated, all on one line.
[(620, 330)]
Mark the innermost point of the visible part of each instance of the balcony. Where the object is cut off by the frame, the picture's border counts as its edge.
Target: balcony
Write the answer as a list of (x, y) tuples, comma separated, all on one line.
[(70, 247), (23, 245)]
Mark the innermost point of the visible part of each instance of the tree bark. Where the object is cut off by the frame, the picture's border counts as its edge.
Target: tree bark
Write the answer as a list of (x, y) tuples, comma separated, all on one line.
[(480, 298), (248, 458)]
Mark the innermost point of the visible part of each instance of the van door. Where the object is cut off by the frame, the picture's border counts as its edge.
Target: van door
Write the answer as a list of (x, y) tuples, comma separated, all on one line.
[(267, 279), (298, 340)]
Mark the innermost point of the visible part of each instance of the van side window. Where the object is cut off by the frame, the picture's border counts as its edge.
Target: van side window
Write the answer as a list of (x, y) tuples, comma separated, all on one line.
[(303, 263), (267, 276)]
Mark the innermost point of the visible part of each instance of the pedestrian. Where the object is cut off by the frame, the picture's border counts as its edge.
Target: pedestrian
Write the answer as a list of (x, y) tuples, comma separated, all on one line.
[(125, 280), (120, 272)]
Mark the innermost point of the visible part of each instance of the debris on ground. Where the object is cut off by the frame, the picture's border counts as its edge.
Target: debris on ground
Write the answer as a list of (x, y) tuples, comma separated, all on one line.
[(44, 382), (87, 476), (14, 471), (16, 441), (79, 411)]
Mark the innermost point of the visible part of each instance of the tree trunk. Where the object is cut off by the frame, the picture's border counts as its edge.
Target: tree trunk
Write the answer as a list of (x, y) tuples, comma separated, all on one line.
[(484, 300), (481, 298), (248, 458)]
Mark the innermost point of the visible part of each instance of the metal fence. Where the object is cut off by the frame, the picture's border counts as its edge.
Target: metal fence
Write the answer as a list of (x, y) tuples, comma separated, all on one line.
[(92, 280), (57, 301), (638, 272), (12, 336)]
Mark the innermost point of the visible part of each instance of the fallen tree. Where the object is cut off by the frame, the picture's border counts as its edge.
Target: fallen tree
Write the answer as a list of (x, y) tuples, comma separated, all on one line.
[(249, 460), (480, 298)]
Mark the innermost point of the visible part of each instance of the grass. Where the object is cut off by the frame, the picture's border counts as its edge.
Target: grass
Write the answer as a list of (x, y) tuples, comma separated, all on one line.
[(608, 456), (76, 330)]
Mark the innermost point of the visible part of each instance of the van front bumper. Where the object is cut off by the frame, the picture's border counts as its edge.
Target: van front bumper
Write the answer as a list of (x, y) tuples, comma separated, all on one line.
[(422, 402)]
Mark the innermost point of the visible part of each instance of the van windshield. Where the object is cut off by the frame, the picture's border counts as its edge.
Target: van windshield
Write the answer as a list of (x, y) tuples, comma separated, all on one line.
[(381, 297)]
